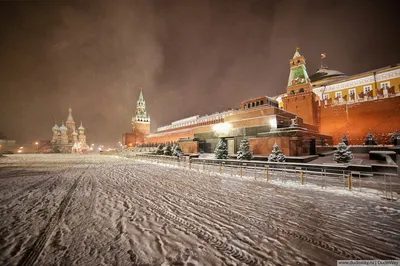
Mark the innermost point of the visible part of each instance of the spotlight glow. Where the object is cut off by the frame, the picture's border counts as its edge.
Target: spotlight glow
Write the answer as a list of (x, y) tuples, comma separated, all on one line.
[(222, 128)]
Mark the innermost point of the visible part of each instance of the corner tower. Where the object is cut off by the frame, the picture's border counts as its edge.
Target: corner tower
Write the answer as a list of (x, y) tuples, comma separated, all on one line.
[(300, 98), (141, 121)]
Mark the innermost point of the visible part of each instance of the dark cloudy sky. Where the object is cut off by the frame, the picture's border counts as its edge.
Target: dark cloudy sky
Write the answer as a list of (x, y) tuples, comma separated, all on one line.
[(191, 57)]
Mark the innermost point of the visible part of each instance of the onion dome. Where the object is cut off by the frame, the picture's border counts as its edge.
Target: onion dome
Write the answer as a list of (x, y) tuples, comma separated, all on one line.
[(74, 133), (63, 128), (81, 127), (56, 127)]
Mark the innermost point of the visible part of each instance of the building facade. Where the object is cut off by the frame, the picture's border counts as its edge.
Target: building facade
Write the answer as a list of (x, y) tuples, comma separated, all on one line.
[(67, 139), (140, 124), (315, 110)]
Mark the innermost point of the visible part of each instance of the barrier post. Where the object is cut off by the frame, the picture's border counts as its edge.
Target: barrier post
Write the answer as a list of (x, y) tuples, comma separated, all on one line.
[(349, 182), (220, 168), (241, 171), (204, 166), (390, 185), (190, 162), (266, 173), (302, 177)]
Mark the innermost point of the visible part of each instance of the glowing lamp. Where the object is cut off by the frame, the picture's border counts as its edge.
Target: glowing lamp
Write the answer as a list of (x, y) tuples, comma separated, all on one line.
[(222, 128)]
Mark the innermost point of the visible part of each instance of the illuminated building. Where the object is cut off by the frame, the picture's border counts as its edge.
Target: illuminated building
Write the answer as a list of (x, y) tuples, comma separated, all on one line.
[(315, 110)]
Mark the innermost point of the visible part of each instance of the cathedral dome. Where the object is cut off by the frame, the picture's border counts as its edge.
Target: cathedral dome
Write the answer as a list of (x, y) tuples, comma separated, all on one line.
[(74, 133), (325, 73), (56, 128), (81, 127), (63, 128)]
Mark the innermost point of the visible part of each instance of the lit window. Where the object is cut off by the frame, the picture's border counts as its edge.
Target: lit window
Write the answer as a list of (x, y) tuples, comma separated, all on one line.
[(385, 84)]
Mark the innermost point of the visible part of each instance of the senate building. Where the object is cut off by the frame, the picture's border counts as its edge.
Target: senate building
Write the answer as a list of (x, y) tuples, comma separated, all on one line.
[(313, 111)]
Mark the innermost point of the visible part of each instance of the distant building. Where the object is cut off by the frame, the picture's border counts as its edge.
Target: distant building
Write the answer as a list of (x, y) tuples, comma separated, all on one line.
[(67, 139), (7, 145), (140, 124), (315, 110)]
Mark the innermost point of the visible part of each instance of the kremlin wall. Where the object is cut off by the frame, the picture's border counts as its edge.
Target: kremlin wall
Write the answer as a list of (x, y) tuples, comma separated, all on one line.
[(316, 110)]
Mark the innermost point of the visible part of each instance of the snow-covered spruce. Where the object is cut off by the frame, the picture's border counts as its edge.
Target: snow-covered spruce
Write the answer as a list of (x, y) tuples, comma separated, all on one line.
[(343, 154), (221, 151), (167, 150), (177, 150), (160, 149), (370, 140), (395, 138), (244, 150), (345, 140), (276, 155)]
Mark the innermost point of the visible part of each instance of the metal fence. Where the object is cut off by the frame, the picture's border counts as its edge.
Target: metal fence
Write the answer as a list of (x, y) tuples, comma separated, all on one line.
[(384, 184)]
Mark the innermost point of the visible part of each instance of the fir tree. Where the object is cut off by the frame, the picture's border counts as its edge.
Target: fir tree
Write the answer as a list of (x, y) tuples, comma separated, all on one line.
[(244, 150), (177, 150), (342, 155), (221, 151), (276, 155), (370, 140), (395, 139), (167, 150), (345, 140), (160, 149)]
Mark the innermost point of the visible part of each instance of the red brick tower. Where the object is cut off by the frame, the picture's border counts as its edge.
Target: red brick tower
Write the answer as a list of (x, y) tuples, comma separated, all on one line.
[(141, 121), (300, 98)]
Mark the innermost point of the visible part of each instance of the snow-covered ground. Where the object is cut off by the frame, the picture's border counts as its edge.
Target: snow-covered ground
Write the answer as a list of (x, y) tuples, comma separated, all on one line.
[(109, 210)]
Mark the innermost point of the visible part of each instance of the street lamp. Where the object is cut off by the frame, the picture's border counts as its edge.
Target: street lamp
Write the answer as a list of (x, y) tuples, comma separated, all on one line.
[(37, 145)]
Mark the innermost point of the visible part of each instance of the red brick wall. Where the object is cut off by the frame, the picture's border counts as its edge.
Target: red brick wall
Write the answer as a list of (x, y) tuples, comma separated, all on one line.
[(303, 105), (264, 146), (380, 117), (190, 146), (129, 139), (141, 128), (169, 136)]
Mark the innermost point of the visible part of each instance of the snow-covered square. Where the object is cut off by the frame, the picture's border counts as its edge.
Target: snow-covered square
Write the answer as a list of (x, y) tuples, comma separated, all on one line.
[(108, 210)]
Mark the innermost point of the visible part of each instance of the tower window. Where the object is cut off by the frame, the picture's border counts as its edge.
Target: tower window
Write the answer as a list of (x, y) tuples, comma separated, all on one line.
[(262, 102)]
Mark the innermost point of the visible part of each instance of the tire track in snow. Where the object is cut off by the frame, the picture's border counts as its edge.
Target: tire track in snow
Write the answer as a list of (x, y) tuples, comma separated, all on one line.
[(253, 221), (35, 186), (219, 244), (291, 233), (32, 254)]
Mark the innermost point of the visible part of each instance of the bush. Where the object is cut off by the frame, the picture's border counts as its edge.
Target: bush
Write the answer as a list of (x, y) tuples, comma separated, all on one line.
[(167, 150), (160, 149), (342, 155), (221, 151), (177, 150), (370, 140), (276, 155), (244, 150)]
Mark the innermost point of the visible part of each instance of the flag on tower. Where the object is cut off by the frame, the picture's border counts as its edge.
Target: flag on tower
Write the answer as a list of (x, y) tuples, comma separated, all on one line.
[(323, 56)]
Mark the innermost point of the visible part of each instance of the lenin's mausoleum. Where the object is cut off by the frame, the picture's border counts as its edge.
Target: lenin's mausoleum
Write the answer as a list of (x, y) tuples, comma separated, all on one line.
[(315, 110)]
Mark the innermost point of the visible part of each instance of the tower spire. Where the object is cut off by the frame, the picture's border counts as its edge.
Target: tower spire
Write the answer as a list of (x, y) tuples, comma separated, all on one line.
[(141, 114), (70, 118), (141, 94)]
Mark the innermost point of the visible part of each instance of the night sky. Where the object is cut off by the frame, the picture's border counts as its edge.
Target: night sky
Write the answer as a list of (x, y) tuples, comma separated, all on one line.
[(190, 57)]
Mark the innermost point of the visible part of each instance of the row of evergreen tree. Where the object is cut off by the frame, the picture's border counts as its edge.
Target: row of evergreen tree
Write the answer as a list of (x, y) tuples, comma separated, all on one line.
[(169, 150), (342, 154), (244, 153)]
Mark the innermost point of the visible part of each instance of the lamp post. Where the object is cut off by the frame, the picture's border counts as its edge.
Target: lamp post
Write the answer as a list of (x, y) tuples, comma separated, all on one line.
[(37, 146)]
